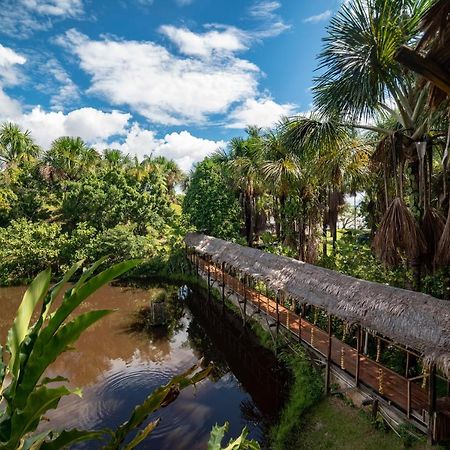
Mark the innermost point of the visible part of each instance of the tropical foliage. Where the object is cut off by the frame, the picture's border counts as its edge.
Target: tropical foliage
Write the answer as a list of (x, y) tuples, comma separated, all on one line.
[(372, 133), (71, 202)]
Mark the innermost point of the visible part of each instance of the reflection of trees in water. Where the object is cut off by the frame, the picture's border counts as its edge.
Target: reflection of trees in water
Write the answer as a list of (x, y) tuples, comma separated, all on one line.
[(202, 344), (173, 311)]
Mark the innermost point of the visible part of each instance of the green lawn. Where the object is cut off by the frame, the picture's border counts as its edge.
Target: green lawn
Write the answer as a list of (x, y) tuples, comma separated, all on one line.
[(332, 424)]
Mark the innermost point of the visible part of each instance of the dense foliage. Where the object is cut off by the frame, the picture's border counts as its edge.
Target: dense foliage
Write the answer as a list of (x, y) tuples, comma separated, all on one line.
[(372, 132), (71, 202), (210, 204)]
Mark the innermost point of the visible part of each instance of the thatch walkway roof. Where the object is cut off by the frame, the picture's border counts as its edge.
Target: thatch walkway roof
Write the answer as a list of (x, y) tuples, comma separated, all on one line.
[(416, 320)]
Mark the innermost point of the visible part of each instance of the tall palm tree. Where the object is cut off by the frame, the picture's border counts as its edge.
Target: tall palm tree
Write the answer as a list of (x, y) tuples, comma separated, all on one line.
[(173, 175), (245, 159), (70, 157), (16, 145), (362, 79), (281, 168)]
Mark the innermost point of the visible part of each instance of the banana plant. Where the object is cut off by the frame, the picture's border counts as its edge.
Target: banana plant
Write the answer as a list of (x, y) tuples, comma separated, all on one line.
[(26, 394)]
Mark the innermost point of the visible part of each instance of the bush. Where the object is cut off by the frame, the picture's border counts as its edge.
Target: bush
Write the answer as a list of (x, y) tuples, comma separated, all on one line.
[(27, 248)]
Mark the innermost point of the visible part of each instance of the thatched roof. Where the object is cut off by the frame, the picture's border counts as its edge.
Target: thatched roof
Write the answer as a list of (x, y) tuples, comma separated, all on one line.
[(416, 320)]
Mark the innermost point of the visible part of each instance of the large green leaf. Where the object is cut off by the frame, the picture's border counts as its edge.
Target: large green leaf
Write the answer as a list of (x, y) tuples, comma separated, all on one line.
[(17, 333), (70, 437), (161, 396), (39, 402), (38, 362), (78, 294), (143, 434)]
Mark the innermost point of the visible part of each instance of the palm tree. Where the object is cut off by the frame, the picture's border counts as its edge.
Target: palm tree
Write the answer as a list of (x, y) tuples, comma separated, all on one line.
[(115, 159), (281, 168), (361, 79), (244, 159), (16, 146), (70, 157), (173, 175)]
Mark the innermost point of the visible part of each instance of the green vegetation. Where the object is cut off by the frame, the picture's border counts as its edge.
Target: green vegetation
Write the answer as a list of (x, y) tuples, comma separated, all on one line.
[(305, 391), (210, 205), (335, 424), (372, 132), (70, 202)]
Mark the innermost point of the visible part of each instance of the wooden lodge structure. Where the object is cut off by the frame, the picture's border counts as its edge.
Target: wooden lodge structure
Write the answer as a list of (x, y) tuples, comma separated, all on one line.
[(393, 343)]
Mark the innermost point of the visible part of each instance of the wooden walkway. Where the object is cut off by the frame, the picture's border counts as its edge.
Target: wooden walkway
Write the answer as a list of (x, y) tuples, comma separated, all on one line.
[(406, 394)]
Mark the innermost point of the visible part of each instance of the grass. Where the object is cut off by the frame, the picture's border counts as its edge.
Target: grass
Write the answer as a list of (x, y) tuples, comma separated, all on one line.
[(333, 424)]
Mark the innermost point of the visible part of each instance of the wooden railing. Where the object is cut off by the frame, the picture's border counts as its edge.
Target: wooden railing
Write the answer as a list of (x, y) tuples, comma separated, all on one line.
[(405, 393)]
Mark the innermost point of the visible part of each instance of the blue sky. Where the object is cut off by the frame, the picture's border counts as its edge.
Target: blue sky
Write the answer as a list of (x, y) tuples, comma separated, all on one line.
[(171, 77)]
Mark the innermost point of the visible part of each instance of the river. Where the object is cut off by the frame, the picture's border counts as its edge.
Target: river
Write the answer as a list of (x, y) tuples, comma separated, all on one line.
[(117, 364)]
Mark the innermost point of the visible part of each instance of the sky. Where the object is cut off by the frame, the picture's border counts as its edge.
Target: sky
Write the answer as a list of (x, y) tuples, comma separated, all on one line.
[(177, 78)]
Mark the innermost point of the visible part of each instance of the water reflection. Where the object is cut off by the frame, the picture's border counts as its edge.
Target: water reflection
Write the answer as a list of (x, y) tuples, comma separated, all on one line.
[(118, 364)]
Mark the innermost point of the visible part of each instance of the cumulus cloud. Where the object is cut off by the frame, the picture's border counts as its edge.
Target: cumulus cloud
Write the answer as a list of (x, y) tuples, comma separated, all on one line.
[(64, 92), (215, 41), (184, 148), (160, 86), (88, 123), (263, 112), (319, 17), (21, 18)]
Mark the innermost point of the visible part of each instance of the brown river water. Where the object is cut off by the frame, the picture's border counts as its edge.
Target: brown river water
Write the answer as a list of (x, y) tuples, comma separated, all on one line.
[(117, 368)]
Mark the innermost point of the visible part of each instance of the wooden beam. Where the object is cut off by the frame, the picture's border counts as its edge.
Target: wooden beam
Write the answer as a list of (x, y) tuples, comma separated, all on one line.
[(358, 351), (432, 404), (426, 67), (328, 365), (223, 286)]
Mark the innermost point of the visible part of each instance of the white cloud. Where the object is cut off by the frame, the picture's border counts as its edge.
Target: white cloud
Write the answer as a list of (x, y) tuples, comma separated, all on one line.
[(319, 17), (21, 18), (88, 123), (226, 41), (67, 8), (184, 148), (272, 23), (9, 59), (263, 112), (184, 2), (264, 9), (59, 80), (162, 87), (9, 108)]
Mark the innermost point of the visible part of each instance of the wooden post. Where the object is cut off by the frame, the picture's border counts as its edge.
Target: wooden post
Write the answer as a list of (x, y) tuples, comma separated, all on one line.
[(358, 349), (328, 368), (223, 286), (432, 404), (245, 298), (278, 315), (209, 281), (408, 399), (407, 364)]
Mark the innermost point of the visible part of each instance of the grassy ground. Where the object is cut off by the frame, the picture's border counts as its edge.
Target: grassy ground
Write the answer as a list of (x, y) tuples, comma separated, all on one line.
[(333, 424)]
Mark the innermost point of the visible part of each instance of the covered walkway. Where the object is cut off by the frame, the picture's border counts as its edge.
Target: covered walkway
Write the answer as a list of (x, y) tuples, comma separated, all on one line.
[(271, 290)]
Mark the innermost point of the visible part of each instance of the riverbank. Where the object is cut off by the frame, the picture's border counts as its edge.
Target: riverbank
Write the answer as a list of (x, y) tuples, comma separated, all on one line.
[(310, 420)]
